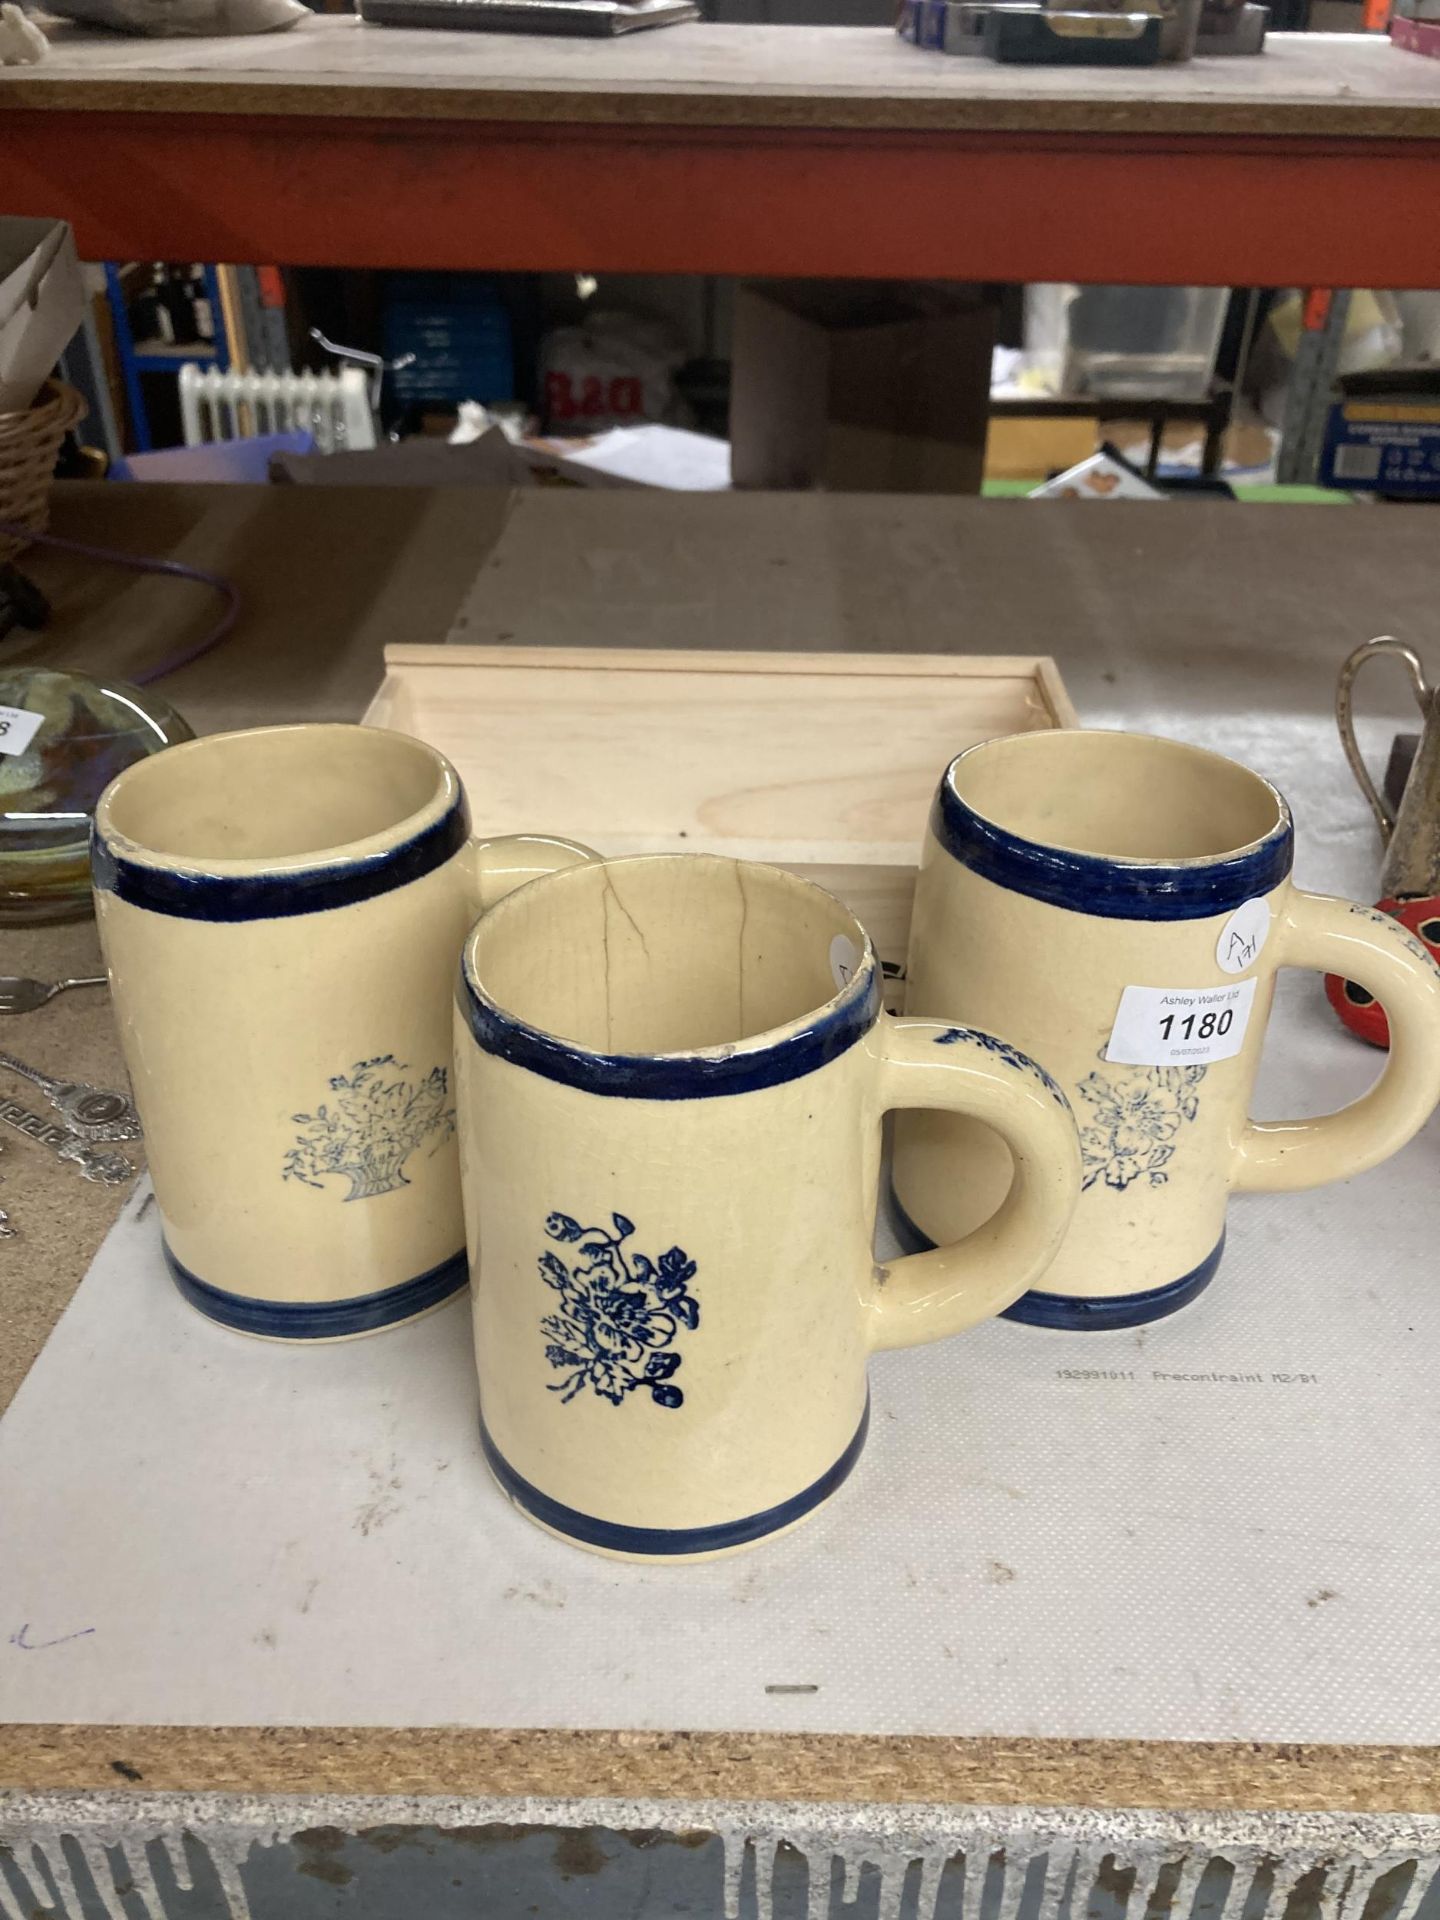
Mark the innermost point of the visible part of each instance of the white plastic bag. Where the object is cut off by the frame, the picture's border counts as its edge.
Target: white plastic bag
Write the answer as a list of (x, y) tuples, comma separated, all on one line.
[(612, 370), (184, 17), (22, 44)]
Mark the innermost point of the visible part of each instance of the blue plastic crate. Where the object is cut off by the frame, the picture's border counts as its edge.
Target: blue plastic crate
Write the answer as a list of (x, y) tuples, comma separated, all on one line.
[(458, 329)]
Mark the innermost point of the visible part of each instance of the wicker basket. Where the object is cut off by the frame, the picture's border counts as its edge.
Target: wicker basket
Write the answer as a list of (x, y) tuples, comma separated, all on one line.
[(29, 448)]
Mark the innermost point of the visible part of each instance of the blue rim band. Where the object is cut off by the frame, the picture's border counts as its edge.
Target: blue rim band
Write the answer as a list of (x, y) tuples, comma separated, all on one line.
[(665, 1542), (322, 1319), (1077, 1313), (662, 1076), (1109, 889), (280, 894)]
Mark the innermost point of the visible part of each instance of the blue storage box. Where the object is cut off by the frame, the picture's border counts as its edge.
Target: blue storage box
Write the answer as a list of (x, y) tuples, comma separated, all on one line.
[(458, 329), (1384, 444)]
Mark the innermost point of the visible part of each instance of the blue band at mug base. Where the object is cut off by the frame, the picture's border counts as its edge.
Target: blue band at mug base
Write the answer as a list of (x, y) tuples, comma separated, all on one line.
[(1108, 1313), (664, 1542), (322, 1319), (1078, 1313)]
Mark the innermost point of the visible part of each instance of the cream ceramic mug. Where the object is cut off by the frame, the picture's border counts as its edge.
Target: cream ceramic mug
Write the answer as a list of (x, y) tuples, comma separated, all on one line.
[(1118, 905), (671, 1072), (281, 912)]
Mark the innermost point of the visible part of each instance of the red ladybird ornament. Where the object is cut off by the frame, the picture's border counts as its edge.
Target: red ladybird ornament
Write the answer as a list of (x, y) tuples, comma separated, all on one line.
[(1361, 1012)]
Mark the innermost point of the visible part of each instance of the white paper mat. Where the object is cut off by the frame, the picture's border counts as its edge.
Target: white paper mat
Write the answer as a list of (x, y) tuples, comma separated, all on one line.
[(1236, 1538), (201, 1528)]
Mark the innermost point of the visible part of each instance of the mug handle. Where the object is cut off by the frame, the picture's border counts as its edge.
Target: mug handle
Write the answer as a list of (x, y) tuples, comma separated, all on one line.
[(1367, 946), (928, 1063), (498, 866)]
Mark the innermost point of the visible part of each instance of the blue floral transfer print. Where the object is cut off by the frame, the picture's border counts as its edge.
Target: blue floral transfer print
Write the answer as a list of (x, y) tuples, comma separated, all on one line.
[(1012, 1056), (1133, 1133), (618, 1315), (379, 1113), (1413, 942)]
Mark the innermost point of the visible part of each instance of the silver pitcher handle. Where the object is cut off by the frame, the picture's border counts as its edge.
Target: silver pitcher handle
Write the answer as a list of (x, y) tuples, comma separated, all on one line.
[(1345, 720)]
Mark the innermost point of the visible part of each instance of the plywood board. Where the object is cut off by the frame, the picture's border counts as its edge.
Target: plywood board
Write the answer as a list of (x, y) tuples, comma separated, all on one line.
[(1335, 85), (823, 763)]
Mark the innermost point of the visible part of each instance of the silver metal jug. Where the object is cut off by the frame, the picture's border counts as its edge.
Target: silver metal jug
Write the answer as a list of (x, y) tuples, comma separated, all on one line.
[(1411, 831)]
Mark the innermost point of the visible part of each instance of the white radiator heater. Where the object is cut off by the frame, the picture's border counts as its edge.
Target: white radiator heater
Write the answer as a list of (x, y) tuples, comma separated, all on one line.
[(333, 407)]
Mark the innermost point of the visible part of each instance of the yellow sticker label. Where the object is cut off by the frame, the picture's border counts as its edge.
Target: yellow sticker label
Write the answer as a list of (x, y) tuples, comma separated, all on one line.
[(1358, 411)]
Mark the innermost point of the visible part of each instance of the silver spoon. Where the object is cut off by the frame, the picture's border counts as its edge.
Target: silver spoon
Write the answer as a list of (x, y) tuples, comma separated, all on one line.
[(18, 994), (92, 1162), (92, 1113)]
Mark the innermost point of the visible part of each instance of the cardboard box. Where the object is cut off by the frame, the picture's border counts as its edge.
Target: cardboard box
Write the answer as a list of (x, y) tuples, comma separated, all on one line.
[(860, 386), (1384, 443), (489, 461), (42, 302), (1420, 33)]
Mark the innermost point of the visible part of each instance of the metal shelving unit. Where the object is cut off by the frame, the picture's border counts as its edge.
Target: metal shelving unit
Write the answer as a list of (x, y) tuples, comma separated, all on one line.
[(749, 150), (1212, 414), (139, 358)]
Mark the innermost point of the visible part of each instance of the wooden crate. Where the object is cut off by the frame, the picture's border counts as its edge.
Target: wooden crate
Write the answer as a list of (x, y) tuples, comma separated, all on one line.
[(823, 763)]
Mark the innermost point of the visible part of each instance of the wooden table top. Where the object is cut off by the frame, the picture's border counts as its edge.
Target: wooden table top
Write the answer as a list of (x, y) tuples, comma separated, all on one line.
[(1338, 86), (1126, 598)]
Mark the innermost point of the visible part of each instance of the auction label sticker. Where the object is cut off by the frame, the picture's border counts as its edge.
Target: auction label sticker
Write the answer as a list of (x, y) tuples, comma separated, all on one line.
[(1180, 1026), (18, 727)]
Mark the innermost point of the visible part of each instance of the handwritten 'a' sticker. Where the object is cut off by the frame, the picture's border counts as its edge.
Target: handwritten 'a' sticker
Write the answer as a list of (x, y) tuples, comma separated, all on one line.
[(844, 959)]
